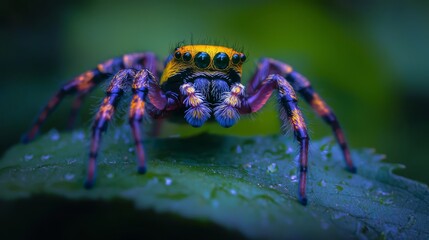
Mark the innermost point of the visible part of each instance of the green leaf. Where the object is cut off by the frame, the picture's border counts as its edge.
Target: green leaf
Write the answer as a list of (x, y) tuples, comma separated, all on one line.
[(243, 184)]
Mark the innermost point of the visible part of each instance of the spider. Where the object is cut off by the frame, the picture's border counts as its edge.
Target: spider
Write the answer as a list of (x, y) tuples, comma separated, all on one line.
[(198, 81)]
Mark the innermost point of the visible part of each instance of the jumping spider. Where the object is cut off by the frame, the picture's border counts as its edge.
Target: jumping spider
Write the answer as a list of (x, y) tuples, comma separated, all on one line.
[(198, 81)]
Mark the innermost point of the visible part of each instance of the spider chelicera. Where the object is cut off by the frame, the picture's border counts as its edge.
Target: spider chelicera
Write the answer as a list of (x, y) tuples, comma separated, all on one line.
[(197, 81)]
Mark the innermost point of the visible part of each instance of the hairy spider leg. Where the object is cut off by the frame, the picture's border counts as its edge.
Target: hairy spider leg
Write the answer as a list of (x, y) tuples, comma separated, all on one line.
[(137, 112), (81, 83), (290, 112), (303, 86), (84, 83), (104, 115), (127, 61), (143, 84), (325, 112)]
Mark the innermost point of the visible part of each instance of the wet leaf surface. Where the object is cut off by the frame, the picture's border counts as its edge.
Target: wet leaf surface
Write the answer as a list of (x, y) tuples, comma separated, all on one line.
[(246, 185)]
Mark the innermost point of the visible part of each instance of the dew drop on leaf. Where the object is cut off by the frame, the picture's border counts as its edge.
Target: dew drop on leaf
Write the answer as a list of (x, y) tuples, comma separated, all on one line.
[(54, 135), (45, 157), (69, 176), (28, 157), (272, 168)]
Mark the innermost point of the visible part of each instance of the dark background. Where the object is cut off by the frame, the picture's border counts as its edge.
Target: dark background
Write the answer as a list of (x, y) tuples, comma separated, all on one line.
[(368, 59)]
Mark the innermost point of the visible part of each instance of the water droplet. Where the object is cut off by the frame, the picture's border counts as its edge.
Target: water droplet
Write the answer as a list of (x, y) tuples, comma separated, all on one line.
[(45, 157), (322, 183), (125, 157), (272, 168), (247, 165), (168, 181), (382, 193), (238, 149), (289, 150), (131, 149), (233, 192), (28, 157), (54, 135), (69, 176), (71, 161), (78, 136), (293, 178)]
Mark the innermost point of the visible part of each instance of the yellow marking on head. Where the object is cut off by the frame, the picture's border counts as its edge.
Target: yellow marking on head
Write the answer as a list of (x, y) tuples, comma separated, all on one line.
[(321, 108), (176, 65)]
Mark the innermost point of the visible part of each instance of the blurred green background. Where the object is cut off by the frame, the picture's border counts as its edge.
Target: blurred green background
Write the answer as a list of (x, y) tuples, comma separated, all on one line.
[(368, 59)]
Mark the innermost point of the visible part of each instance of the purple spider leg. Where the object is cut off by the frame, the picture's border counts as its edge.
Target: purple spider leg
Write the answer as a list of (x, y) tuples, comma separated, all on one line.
[(301, 85), (86, 82), (81, 83), (289, 113), (324, 111), (103, 117), (143, 84)]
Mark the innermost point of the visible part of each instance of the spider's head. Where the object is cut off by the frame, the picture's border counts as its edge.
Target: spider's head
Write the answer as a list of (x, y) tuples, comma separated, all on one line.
[(190, 62)]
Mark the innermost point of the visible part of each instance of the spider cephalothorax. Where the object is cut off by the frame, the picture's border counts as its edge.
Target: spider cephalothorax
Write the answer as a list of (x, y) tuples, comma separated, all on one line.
[(198, 82), (204, 75)]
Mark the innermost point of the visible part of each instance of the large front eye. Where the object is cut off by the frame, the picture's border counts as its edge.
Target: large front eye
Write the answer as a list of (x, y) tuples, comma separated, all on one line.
[(202, 60), (221, 60)]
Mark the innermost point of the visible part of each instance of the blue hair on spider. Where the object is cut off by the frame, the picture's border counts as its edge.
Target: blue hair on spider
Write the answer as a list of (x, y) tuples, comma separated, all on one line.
[(197, 116), (226, 115)]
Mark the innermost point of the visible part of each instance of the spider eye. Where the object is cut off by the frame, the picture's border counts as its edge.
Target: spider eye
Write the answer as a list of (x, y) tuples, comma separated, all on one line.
[(243, 57), (177, 55), (187, 56), (235, 58), (202, 60), (221, 60)]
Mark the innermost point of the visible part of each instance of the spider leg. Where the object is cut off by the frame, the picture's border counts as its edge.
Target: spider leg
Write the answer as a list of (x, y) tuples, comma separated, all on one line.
[(302, 85), (141, 87), (289, 113), (325, 112), (86, 82), (104, 115), (82, 82)]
